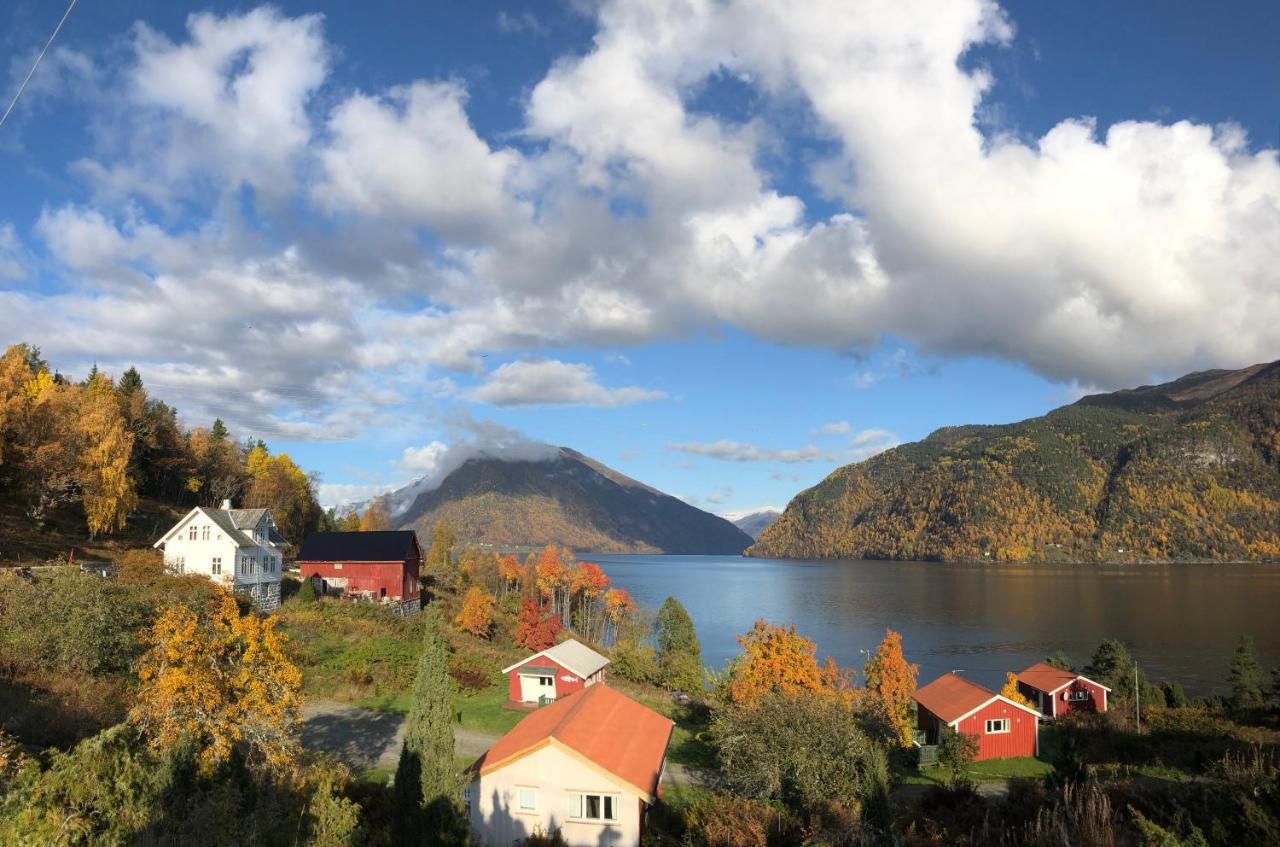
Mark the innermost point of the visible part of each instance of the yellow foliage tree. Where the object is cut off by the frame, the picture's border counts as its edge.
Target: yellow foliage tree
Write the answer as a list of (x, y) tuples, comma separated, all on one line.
[(221, 680), (1010, 690), (776, 658), (377, 516), (891, 679), (107, 490), (476, 616)]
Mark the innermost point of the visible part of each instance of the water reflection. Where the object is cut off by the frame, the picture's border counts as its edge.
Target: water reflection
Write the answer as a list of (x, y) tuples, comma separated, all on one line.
[(1181, 621)]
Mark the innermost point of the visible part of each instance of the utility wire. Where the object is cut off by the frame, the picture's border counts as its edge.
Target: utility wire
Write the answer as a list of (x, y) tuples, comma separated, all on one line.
[(39, 59)]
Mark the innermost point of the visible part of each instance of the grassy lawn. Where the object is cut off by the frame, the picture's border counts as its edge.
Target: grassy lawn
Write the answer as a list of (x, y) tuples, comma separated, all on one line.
[(483, 711), (992, 770)]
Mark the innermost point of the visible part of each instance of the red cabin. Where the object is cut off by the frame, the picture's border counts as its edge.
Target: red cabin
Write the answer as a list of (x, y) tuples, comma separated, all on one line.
[(378, 566), (1058, 692), (555, 672), (1004, 729)]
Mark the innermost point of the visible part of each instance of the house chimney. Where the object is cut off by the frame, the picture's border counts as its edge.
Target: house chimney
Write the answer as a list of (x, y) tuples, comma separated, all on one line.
[(226, 505)]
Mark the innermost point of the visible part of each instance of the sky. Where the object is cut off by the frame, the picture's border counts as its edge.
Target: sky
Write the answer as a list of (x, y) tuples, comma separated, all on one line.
[(724, 247)]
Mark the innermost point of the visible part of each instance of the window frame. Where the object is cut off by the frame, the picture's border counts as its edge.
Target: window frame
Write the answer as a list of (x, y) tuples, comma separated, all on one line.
[(215, 565), (520, 807), (1005, 722), (578, 806)]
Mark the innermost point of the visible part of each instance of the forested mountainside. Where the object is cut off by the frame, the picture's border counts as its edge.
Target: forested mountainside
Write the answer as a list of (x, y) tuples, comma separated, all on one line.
[(99, 457), (1186, 470), (571, 500)]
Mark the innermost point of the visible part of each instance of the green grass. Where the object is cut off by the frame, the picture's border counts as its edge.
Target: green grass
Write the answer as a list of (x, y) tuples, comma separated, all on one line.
[(992, 770), (483, 711)]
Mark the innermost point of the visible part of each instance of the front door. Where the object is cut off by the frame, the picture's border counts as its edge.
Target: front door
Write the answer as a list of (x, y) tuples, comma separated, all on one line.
[(534, 688)]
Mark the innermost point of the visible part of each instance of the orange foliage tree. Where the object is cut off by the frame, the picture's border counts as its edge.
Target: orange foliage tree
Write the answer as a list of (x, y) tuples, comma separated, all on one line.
[(476, 616), (1010, 690), (552, 577), (618, 606), (535, 629), (221, 680), (511, 573), (776, 658), (894, 681), (588, 583)]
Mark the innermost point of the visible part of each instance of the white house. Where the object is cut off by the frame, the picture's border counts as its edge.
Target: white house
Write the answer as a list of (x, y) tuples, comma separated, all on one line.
[(589, 765), (236, 548)]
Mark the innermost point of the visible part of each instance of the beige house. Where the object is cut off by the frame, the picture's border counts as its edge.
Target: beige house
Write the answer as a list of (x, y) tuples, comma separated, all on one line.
[(589, 765)]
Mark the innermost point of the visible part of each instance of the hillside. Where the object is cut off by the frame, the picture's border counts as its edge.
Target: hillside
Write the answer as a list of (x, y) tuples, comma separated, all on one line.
[(1187, 470), (569, 499)]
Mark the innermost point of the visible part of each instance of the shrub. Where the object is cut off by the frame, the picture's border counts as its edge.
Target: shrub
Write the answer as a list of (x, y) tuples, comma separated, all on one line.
[(725, 820), (636, 662), (471, 672)]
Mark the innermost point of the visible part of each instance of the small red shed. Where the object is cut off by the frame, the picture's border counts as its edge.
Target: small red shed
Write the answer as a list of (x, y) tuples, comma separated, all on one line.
[(1004, 728), (378, 566), (1058, 692), (563, 669)]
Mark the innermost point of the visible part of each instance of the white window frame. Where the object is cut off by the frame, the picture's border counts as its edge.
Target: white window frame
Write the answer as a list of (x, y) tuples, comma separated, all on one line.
[(578, 806), (215, 566), (192, 531), (1078, 695), (204, 533), (1004, 723), (546, 681), (466, 797), (524, 792)]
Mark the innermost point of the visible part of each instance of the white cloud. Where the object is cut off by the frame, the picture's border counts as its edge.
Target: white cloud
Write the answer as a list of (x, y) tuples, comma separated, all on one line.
[(737, 451), (424, 460), (869, 442), (525, 23), (549, 382), (13, 264), (835, 428)]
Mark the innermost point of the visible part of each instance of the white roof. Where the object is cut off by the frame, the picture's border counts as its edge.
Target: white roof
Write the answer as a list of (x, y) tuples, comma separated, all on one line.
[(572, 655)]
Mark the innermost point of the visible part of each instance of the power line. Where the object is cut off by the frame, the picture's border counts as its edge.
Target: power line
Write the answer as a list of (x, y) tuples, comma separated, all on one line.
[(39, 59)]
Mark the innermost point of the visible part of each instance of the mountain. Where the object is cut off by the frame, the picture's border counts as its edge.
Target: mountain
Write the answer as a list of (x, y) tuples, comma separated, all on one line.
[(565, 498), (1187, 470), (755, 523)]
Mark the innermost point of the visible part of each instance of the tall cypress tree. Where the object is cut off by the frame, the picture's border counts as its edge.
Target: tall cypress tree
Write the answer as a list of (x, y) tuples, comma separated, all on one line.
[(679, 652), (427, 785)]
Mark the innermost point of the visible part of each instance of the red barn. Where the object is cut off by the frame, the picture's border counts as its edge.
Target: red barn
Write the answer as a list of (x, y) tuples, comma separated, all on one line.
[(1058, 692), (378, 566), (1004, 729), (563, 669)]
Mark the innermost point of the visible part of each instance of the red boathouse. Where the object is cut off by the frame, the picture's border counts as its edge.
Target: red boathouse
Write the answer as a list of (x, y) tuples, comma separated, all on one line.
[(1058, 692), (555, 672), (1004, 729), (378, 566)]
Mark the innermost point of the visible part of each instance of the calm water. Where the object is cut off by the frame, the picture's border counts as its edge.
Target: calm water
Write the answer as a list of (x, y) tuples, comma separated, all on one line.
[(1181, 622)]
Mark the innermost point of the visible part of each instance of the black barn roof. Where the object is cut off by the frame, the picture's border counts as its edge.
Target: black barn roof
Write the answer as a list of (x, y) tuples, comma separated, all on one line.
[(387, 546)]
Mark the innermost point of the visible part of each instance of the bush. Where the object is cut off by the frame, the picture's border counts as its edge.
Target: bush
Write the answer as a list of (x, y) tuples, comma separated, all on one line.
[(306, 591), (636, 662), (471, 672), (724, 820)]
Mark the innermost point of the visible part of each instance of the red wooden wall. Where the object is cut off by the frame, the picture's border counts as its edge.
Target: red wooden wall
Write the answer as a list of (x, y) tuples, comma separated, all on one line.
[(1020, 740), (563, 686), (400, 579)]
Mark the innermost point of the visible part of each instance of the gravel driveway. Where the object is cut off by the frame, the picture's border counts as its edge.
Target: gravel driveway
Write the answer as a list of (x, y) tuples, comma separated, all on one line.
[(365, 739)]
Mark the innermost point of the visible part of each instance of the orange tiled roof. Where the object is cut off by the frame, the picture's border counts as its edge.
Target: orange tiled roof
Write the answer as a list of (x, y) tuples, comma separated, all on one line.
[(951, 696), (1045, 677), (600, 724)]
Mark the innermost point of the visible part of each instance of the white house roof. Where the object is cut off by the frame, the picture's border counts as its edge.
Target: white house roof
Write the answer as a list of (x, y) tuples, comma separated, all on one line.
[(571, 655), (230, 521)]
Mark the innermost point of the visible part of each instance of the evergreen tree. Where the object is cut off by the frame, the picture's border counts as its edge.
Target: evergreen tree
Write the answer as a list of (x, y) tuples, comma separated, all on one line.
[(1060, 660), (679, 652), (130, 382), (219, 430), (1246, 677), (426, 785), (1174, 696), (1112, 666), (307, 591)]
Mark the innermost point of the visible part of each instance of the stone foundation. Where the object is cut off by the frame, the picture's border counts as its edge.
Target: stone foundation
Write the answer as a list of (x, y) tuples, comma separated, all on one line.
[(407, 608), (265, 596)]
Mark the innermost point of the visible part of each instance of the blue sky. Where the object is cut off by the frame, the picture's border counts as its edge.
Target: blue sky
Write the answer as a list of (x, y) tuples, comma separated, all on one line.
[(722, 247)]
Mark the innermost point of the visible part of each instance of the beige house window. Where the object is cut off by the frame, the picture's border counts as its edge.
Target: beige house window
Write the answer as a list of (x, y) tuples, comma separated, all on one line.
[(191, 533), (526, 799), (593, 807), (204, 533)]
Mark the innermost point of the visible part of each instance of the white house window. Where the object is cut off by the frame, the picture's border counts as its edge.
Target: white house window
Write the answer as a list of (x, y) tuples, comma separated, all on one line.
[(191, 533), (546, 681), (593, 807), (1079, 694), (216, 565), (997, 726), (204, 533), (248, 564), (337, 566), (466, 797), (527, 799), (179, 564)]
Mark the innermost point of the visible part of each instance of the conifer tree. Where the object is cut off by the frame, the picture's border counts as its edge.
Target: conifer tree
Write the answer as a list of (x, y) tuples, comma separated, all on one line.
[(679, 652), (1246, 677), (426, 785)]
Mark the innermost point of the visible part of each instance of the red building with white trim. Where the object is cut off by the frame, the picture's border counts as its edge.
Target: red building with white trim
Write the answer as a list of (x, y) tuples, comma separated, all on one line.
[(1004, 729), (378, 566), (1057, 692), (554, 673)]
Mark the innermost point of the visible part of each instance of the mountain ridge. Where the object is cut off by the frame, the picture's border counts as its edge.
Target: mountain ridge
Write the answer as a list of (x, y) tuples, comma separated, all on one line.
[(568, 499), (1180, 471)]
